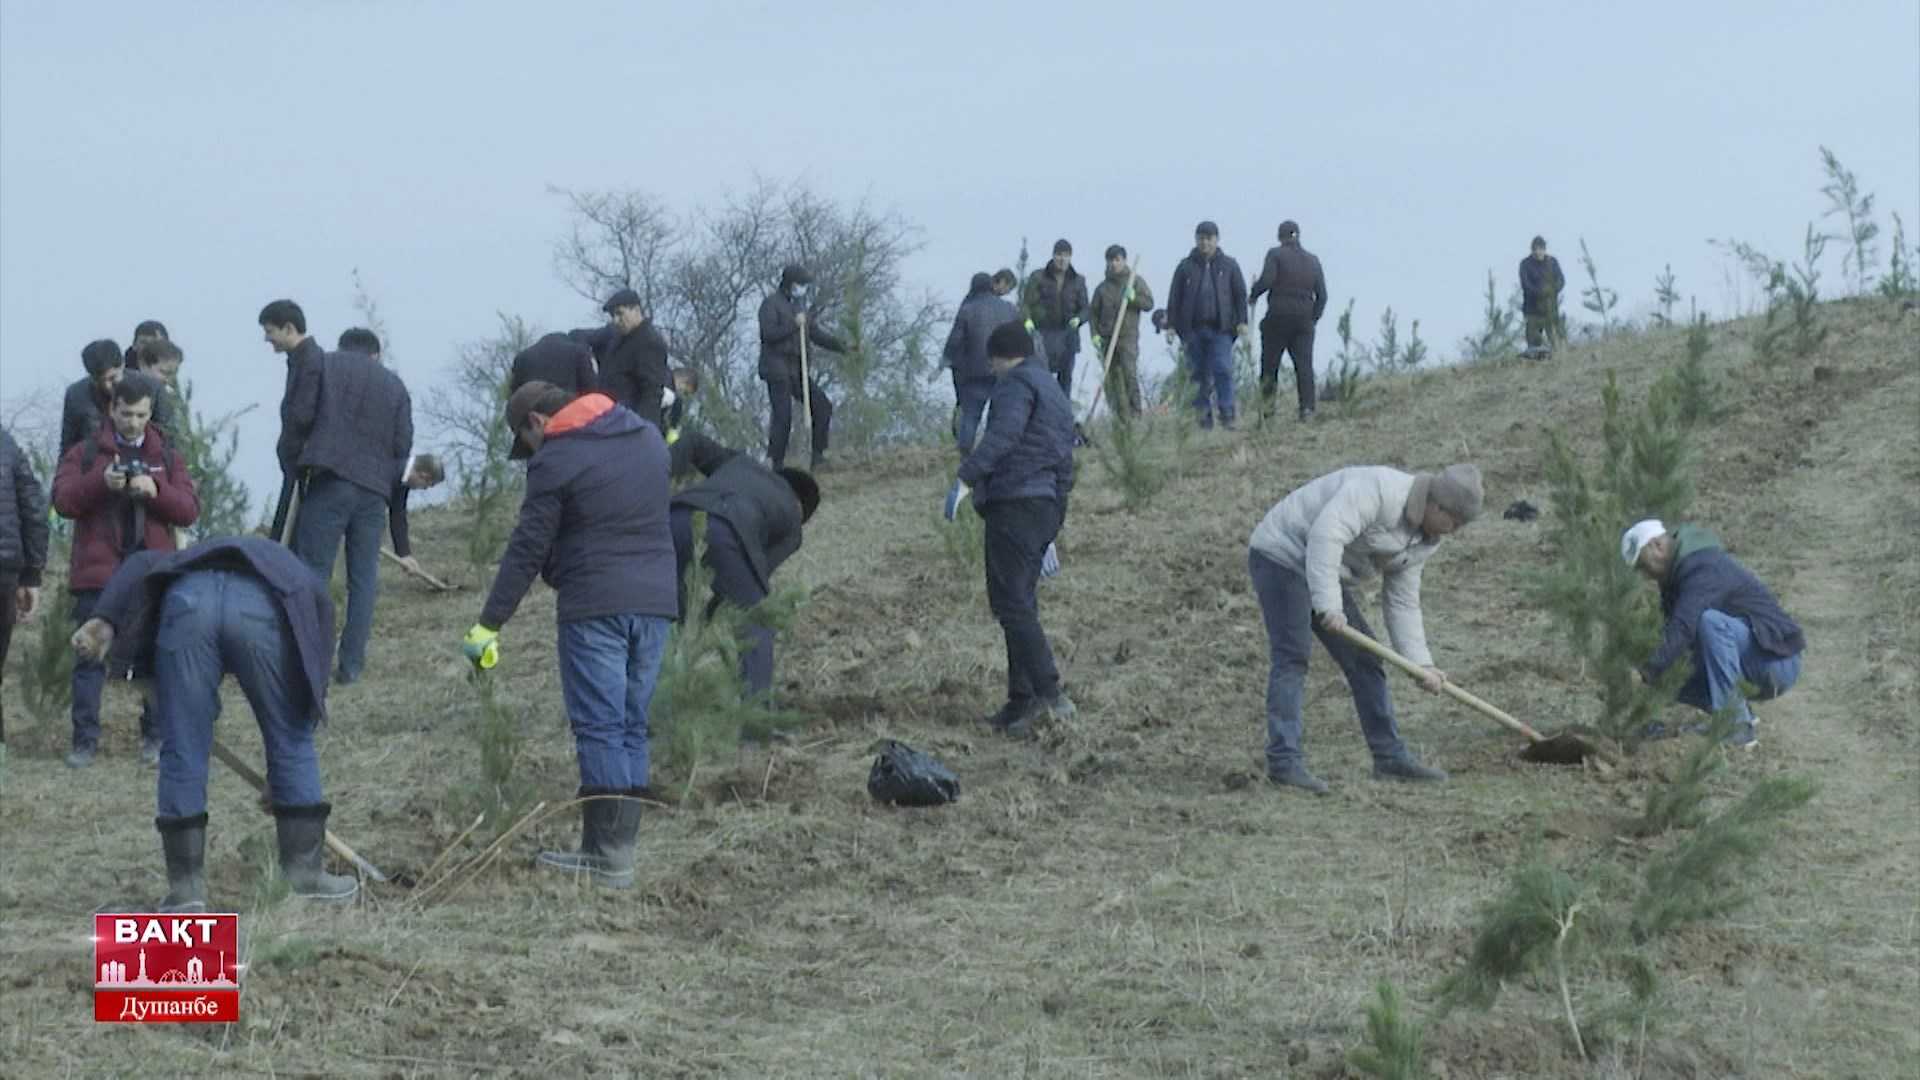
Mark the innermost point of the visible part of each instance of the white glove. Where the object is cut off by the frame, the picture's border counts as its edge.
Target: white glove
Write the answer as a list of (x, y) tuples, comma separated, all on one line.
[(667, 398), (955, 496), (1050, 562)]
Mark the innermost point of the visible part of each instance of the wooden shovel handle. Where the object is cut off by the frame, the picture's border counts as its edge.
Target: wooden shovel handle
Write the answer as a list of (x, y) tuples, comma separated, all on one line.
[(421, 574), (1478, 705), (334, 843)]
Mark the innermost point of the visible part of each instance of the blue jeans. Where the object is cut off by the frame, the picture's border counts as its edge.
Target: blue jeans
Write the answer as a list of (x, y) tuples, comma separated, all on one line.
[(1723, 655), (214, 623), (333, 508), (970, 398), (1286, 605), (1210, 361), (89, 682), (608, 668)]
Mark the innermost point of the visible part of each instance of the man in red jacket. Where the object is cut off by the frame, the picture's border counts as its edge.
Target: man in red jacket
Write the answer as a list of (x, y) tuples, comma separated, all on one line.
[(125, 490)]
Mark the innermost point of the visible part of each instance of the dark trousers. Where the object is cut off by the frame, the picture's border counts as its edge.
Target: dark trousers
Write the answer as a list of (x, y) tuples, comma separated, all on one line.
[(331, 510), (1543, 330), (1017, 534), (782, 393), (734, 582), (1286, 605), (214, 623), (1062, 347), (1292, 335), (90, 681), (8, 583), (970, 397)]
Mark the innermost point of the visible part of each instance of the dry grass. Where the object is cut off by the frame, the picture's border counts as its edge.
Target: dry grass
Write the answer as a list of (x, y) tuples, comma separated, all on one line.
[(1117, 899)]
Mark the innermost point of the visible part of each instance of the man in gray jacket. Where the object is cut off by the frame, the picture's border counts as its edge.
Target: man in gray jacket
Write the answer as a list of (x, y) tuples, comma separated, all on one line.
[(1349, 526)]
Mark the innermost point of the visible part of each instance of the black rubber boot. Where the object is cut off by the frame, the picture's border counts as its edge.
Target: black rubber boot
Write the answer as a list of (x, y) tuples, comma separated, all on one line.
[(608, 828), (183, 841), (302, 832)]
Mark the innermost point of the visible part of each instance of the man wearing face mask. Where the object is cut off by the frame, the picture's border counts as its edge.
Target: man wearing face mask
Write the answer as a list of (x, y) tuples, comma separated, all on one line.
[(1055, 304), (784, 320)]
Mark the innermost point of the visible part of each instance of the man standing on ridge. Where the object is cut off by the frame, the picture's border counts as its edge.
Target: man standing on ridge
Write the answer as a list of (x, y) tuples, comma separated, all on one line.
[(1207, 308), (1540, 285), (1297, 297), (1055, 303), (785, 319), (593, 525), (1721, 617), (1115, 311), (284, 326), (980, 314)]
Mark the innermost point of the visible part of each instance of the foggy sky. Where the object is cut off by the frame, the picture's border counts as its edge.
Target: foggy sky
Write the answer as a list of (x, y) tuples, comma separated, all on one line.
[(191, 162)]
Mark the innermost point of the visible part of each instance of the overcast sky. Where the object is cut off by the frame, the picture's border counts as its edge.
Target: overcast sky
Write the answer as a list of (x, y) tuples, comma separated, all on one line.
[(190, 162)]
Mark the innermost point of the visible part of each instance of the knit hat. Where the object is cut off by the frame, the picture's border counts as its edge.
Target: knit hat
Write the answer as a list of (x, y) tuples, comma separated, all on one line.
[(1455, 489), (1061, 247), (1206, 228), (1637, 537), (1115, 251), (102, 356), (1009, 340), (1289, 228)]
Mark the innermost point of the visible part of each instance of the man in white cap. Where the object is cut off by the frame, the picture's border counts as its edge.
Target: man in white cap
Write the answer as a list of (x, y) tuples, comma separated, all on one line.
[(1718, 612), (1345, 527)]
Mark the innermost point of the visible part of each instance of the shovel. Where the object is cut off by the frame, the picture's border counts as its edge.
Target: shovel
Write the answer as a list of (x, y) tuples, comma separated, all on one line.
[(1565, 748), (334, 843)]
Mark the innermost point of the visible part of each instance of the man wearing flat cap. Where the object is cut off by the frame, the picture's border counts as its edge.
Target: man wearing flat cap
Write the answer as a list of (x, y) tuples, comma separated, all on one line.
[(632, 356), (1346, 527)]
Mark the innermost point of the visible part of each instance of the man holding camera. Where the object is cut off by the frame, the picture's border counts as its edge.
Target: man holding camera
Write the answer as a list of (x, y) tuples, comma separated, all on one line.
[(126, 490)]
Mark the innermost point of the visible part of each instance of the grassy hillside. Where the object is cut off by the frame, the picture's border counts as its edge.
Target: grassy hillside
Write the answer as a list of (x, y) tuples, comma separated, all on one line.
[(1119, 898)]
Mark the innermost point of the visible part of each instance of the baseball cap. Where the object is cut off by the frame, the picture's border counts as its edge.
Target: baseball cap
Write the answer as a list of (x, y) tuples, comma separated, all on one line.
[(1637, 537)]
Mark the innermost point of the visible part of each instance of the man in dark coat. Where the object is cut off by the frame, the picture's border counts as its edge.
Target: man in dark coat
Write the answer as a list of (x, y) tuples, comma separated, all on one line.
[(1207, 308), (284, 326), (87, 400), (1114, 312), (148, 332), (350, 441), (559, 359), (126, 490), (1297, 297), (1721, 617), (1020, 474), (242, 606), (754, 518), (1055, 303), (632, 355), (980, 314), (1540, 285), (593, 525), (23, 552), (784, 322)]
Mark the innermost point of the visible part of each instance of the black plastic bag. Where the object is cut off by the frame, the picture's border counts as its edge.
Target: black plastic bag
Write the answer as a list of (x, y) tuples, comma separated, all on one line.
[(904, 776)]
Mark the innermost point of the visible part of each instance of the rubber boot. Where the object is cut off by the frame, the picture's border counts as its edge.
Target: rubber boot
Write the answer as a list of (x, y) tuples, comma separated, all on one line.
[(302, 833), (608, 828), (183, 841)]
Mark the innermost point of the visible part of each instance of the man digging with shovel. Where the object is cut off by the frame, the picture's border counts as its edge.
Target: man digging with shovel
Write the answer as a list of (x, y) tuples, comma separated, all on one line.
[(1347, 526)]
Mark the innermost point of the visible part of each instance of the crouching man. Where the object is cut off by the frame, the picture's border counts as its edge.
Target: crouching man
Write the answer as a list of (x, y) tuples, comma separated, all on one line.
[(1345, 527), (1020, 473), (1722, 616), (240, 606), (593, 525), (754, 517)]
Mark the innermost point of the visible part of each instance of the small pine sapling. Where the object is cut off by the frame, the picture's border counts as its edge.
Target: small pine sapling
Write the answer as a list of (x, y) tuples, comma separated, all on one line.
[(1681, 803), (964, 540), (1803, 294), (1844, 200), (1596, 297), (502, 796), (1899, 282), (1665, 295), (1540, 923), (1415, 354), (1392, 1051), (1499, 332), (1386, 350), (1703, 877), (46, 679), (1347, 380), (1126, 459), (1695, 393)]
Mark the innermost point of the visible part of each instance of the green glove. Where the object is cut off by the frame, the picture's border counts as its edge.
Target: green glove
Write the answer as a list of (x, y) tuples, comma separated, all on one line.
[(1098, 345), (482, 647), (1073, 323), (1029, 326), (1127, 297)]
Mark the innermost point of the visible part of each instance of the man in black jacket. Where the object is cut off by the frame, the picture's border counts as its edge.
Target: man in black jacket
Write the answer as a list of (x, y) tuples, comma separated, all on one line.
[(351, 445), (242, 606), (632, 356), (88, 400), (558, 359), (284, 326), (593, 524), (1207, 308), (1055, 304), (980, 314), (754, 518), (784, 322), (23, 552), (1019, 475), (1540, 285), (1297, 297)]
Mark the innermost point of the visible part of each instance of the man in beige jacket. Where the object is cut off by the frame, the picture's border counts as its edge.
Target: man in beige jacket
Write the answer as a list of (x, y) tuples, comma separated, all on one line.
[(1349, 526)]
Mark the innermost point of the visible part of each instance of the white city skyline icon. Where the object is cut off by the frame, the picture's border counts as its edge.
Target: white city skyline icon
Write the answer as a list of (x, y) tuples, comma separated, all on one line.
[(113, 974)]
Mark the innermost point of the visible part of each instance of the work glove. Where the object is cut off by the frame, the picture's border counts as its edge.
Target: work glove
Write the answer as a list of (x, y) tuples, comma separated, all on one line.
[(956, 495), (1099, 345), (482, 647), (1029, 326), (1073, 323), (1127, 297), (1050, 562), (668, 397)]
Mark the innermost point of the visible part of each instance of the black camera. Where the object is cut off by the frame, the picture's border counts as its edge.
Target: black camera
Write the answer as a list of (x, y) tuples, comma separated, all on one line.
[(133, 468)]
